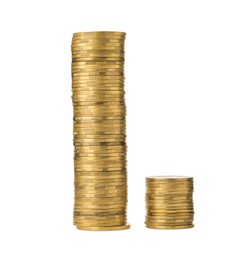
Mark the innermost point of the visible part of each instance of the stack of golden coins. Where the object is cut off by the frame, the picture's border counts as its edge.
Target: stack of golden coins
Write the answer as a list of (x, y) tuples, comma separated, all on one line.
[(169, 202), (99, 131)]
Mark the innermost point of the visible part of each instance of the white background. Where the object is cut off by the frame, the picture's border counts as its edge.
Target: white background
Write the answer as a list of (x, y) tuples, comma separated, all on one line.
[(188, 96)]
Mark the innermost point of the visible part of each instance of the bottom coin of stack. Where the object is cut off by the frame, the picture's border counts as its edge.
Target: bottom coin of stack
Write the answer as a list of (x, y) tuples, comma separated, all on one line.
[(169, 202)]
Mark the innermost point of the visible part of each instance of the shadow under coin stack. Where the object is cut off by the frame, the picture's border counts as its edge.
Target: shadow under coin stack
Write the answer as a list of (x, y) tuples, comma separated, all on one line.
[(99, 131), (169, 202)]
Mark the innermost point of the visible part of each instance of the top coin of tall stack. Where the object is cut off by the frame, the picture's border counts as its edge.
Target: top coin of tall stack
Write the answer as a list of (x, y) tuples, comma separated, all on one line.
[(99, 130)]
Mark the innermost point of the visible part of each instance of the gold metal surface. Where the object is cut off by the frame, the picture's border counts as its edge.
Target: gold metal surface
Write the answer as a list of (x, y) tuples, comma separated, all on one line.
[(169, 202), (99, 131)]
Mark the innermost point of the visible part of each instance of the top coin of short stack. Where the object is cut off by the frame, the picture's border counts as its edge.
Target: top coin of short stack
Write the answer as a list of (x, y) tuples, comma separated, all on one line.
[(99, 130)]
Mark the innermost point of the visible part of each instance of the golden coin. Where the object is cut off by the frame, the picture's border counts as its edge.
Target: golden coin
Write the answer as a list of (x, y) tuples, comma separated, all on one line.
[(99, 219), (100, 103), (88, 228), (105, 154), (99, 118), (97, 143), (98, 63), (97, 59), (156, 186), (121, 174), (84, 55), (118, 157), (99, 126), (169, 227), (164, 211), (169, 197), (99, 82), (102, 224), (109, 159), (93, 65), (101, 169), (89, 120), (95, 182), (97, 137), (97, 74), (114, 220), (98, 161), (82, 187), (101, 108), (169, 223), (103, 173), (119, 188), (95, 202), (99, 44), (109, 178), (85, 70), (104, 138), (169, 203), (97, 71), (97, 47), (75, 90), (109, 120), (171, 217), (97, 92), (115, 206), (105, 132), (98, 98), (100, 33), (84, 210), (102, 185), (103, 195), (101, 155), (102, 149), (84, 213), (102, 200), (99, 184), (173, 183), (99, 78), (96, 115), (96, 40), (98, 52)]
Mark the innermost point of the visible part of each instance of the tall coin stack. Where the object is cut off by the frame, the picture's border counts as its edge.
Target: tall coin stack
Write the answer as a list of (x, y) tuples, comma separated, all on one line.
[(99, 131), (169, 202)]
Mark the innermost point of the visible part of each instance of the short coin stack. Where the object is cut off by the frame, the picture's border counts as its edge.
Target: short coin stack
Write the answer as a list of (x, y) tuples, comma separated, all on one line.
[(169, 202), (99, 131)]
